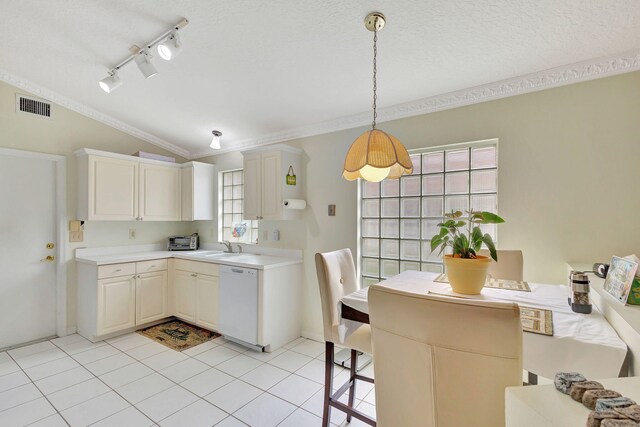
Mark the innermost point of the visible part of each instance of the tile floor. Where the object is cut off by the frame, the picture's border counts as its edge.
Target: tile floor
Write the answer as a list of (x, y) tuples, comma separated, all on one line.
[(132, 381)]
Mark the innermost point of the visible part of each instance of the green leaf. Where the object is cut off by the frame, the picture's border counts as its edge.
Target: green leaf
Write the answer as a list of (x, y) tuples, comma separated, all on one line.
[(460, 224), (491, 218), (476, 238), (457, 214), (492, 248), (443, 232), (437, 240)]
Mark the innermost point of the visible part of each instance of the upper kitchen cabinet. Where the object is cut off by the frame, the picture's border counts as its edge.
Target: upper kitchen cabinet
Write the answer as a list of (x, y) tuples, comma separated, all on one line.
[(271, 176), (116, 187), (198, 191), (107, 188), (159, 193)]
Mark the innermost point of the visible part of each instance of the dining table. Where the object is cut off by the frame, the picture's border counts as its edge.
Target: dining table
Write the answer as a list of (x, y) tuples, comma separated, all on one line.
[(584, 343)]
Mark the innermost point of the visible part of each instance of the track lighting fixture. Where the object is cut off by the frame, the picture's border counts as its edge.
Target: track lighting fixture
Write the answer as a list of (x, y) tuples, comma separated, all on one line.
[(169, 46), (215, 141), (144, 64), (111, 82)]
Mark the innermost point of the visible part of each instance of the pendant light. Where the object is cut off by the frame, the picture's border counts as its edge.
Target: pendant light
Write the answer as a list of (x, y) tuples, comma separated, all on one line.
[(375, 155)]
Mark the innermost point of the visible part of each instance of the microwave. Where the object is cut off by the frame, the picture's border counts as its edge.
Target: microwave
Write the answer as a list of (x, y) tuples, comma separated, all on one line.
[(183, 243)]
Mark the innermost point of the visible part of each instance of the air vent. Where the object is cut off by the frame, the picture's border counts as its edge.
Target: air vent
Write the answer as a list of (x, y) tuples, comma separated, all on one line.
[(33, 106)]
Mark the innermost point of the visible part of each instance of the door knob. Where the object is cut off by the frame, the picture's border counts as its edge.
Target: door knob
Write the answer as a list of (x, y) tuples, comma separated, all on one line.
[(49, 258), (50, 246)]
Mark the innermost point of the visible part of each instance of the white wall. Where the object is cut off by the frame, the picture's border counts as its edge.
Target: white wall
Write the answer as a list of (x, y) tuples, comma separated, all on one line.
[(66, 132), (569, 162)]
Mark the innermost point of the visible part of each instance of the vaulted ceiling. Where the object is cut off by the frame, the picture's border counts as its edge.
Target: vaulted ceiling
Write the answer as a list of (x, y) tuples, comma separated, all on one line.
[(263, 71)]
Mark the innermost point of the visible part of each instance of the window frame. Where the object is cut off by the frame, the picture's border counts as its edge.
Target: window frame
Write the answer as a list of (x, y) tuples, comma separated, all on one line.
[(252, 225), (421, 261)]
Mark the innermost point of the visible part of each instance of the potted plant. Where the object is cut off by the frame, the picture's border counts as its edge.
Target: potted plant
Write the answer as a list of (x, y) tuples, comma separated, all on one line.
[(466, 270)]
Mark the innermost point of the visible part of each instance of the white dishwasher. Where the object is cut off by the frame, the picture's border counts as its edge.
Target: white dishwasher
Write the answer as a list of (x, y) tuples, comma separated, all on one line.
[(238, 303)]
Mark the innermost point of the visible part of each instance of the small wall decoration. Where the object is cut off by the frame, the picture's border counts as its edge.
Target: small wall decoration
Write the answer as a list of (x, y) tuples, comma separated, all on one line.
[(620, 278), (239, 230), (291, 177)]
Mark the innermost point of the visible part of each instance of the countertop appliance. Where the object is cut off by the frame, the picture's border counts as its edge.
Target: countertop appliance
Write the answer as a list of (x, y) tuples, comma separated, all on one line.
[(184, 243), (579, 292), (238, 304)]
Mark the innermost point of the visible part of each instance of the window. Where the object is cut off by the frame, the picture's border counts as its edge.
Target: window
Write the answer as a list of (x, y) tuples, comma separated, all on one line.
[(399, 217), (231, 225)]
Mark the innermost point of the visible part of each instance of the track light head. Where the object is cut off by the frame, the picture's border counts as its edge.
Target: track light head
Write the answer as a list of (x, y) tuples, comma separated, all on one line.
[(143, 60), (215, 141), (171, 47), (111, 82)]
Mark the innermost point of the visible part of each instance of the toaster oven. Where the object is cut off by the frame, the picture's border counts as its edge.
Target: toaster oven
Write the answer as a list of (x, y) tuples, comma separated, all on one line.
[(184, 243)]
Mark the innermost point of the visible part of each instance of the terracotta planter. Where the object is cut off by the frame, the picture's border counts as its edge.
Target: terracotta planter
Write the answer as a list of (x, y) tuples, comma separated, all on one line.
[(467, 276)]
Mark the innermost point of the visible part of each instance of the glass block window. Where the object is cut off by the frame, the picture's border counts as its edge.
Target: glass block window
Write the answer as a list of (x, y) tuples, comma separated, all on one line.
[(233, 226), (399, 217)]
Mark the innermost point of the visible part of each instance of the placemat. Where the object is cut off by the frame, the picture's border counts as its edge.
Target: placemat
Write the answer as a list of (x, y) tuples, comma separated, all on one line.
[(536, 320), (510, 285)]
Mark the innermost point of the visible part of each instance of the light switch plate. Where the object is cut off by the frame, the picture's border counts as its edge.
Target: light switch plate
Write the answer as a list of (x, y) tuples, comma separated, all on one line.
[(75, 225), (76, 236)]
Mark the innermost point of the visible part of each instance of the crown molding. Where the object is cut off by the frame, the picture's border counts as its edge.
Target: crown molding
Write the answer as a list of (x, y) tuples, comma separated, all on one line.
[(79, 108), (573, 73), (555, 77)]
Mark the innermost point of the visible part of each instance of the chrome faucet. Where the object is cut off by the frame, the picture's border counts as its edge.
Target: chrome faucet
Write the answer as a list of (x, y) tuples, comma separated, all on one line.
[(228, 245), (239, 248)]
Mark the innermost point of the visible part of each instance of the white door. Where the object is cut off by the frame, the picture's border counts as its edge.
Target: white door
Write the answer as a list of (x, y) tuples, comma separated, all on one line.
[(116, 304), (28, 297), (113, 189), (271, 185), (184, 295)]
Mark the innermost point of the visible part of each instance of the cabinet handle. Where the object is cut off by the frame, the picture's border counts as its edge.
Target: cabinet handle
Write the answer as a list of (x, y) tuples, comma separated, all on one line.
[(115, 271), (194, 275)]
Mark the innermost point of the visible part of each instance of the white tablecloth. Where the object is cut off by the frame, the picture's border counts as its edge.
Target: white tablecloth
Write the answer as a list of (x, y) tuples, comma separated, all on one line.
[(584, 343)]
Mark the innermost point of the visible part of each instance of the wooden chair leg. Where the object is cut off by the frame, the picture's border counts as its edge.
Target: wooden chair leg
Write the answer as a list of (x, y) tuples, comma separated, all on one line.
[(352, 378), (328, 383)]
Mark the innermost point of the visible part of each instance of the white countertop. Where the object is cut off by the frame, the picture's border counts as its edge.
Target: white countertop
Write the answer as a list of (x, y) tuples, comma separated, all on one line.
[(248, 260)]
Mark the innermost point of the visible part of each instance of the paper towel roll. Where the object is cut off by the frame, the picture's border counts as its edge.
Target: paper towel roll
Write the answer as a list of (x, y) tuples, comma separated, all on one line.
[(294, 204)]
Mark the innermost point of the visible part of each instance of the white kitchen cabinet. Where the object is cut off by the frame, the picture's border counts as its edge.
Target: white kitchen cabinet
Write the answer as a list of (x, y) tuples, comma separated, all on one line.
[(119, 297), (265, 182), (184, 295), (195, 292), (159, 193), (199, 192), (108, 189), (207, 301), (116, 304), (151, 297)]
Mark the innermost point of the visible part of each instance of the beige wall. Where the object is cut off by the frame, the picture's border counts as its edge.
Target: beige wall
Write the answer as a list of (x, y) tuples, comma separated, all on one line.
[(66, 132), (569, 161)]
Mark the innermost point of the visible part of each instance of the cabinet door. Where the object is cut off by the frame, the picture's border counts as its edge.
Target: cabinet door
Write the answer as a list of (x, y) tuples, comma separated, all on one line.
[(112, 189), (252, 186), (116, 304), (151, 297), (184, 295), (271, 185), (159, 193), (207, 311)]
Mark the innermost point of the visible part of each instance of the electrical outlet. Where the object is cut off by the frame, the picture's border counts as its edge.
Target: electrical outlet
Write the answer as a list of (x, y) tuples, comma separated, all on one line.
[(76, 236), (132, 233)]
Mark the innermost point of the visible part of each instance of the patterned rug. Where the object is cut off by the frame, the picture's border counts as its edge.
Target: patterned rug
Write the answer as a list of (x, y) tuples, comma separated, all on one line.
[(178, 335)]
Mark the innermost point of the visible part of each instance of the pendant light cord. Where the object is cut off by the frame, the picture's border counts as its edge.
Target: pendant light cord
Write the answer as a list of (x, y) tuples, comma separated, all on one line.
[(375, 72)]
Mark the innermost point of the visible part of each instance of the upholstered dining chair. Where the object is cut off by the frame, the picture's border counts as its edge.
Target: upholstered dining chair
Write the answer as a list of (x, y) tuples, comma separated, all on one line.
[(440, 361), (510, 265), (337, 278)]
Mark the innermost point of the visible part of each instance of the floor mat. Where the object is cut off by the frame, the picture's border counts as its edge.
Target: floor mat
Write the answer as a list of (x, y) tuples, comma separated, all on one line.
[(178, 335)]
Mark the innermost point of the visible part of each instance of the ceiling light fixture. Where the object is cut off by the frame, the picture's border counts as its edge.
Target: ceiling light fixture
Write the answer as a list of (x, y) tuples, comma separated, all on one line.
[(171, 47), (143, 57), (215, 141), (111, 82), (375, 155), (144, 64)]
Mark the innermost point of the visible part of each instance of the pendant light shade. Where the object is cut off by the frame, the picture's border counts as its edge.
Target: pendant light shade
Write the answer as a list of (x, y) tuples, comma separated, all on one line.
[(375, 155)]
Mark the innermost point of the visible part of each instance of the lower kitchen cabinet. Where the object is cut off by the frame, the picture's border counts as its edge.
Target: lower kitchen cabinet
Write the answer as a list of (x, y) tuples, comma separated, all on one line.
[(195, 293), (119, 297), (152, 291), (116, 304)]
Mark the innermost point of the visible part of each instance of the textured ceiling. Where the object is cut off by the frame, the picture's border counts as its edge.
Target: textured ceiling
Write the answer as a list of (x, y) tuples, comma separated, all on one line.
[(257, 68)]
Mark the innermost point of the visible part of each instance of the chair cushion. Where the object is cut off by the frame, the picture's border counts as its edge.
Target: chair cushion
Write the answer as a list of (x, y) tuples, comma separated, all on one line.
[(360, 340)]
